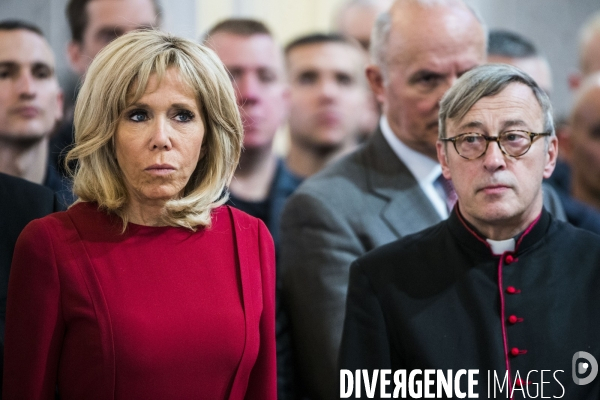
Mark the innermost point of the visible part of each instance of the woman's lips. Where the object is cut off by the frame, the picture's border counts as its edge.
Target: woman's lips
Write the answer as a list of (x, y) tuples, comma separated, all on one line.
[(160, 169)]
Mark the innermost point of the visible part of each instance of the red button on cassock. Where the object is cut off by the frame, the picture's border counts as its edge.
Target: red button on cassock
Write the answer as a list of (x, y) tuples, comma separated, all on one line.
[(509, 259), (511, 290), (515, 351), (513, 319)]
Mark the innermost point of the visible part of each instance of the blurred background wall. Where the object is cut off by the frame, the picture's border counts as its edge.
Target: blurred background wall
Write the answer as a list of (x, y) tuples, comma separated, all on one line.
[(551, 24)]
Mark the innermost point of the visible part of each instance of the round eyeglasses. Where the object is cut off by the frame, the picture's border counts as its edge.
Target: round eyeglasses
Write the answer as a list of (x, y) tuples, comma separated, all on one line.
[(512, 143)]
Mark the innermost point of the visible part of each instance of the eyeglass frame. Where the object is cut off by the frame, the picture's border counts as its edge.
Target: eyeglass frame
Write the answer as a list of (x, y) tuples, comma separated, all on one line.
[(488, 139)]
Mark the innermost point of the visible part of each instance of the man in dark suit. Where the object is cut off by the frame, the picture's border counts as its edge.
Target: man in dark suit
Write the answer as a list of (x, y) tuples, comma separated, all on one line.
[(21, 202), (501, 287), (388, 189), (383, 191)]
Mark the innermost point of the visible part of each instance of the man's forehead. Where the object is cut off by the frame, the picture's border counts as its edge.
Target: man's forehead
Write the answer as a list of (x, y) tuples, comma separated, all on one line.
[(25, 47), (254, 51), (332, 56), (121, 13), (513, 106), (435, 32)]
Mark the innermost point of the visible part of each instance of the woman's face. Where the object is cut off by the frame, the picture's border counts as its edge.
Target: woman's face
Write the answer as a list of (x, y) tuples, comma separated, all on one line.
[(158, 141)]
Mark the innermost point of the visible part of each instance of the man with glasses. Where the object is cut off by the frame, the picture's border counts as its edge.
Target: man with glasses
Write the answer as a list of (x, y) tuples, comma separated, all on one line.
[(501, 287)]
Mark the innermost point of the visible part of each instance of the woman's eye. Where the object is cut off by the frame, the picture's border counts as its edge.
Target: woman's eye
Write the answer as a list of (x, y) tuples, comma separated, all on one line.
[(184, 116), (138, 116)]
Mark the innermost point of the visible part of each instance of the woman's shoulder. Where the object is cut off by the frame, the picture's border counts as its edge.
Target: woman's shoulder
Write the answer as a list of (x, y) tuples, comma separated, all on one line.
[(241, 219)]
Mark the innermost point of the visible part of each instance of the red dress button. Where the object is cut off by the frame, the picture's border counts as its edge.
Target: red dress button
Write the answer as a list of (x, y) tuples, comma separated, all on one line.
[(513, 319), (509, 259), (511, 290), (515, 351)]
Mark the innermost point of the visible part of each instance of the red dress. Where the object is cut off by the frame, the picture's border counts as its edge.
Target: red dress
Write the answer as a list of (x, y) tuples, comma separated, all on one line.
[(152, 313)]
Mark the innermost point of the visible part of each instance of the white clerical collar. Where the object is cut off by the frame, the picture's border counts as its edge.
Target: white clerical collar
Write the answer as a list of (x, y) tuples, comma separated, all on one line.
[(501, 246), (424, 169)]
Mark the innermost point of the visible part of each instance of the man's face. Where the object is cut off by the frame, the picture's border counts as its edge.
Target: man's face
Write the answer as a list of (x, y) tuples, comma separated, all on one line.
[(428, 49), (30, 97), (107, 20), (584, 143), (536, 67), (495, 189), (327, 94), (255, 65)]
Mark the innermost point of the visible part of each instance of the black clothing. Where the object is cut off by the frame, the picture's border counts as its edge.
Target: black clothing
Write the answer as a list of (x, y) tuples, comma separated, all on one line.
[(439, 299)]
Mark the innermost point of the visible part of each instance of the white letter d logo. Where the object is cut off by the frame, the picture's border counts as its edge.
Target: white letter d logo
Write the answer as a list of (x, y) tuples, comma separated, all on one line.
[(584, 367)]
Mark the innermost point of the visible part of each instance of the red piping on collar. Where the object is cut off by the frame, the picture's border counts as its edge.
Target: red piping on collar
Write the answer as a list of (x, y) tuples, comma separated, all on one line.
[(471, 231)]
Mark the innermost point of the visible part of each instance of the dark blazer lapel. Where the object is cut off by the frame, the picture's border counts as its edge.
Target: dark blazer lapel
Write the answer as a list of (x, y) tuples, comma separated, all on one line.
[(408, 209)]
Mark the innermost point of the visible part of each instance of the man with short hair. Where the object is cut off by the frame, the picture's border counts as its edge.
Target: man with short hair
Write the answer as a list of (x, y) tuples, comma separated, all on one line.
[(30, 105), (511, 48), (93, 25), (384, 190), (96, 23), (262, 183), (501, 287), (583, 142), (327, 98)]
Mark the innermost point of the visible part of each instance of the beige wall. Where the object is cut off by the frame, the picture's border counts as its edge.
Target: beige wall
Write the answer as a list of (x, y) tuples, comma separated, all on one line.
[(286, 18)]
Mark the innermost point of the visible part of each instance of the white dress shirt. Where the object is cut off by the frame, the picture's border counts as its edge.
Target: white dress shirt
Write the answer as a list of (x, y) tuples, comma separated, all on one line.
[(424, 169)]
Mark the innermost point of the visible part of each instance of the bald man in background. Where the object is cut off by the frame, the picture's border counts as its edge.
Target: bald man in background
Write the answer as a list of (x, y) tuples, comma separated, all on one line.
[(382, 191)]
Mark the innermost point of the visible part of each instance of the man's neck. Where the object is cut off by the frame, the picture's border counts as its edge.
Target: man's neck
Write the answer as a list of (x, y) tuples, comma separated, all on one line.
[(25, 159), (254, 174), (506, 228), (304, 160)]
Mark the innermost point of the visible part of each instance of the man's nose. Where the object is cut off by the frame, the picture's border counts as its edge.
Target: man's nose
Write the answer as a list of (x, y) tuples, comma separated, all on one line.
[(248, 89), (494, 159), (26, 85)]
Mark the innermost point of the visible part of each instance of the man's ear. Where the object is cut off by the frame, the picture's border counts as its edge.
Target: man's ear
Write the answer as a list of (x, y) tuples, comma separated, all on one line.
[(443, 159), (574, 80), (566, 144), (60, 96), (376, 81), (551, 156), (77, 59)]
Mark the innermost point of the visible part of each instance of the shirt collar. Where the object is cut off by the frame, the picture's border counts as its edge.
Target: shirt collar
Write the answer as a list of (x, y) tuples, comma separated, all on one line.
[(468, 235), (423, 168)]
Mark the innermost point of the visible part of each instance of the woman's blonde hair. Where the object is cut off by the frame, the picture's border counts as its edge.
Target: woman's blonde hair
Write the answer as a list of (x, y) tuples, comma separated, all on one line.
[(117, 78)]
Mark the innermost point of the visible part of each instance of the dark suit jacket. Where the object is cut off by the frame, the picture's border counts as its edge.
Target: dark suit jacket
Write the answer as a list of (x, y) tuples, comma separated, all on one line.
[(365, 200), (440, 299), (20, 202)]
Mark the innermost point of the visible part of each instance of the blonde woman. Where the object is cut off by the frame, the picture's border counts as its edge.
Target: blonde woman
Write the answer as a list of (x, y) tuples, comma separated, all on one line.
[(147, 287)]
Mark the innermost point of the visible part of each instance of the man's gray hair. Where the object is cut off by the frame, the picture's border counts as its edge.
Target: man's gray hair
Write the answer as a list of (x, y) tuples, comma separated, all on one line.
[(379, 39), (484, 81), (383, 24)]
